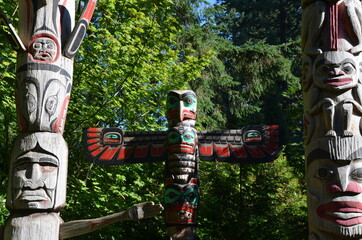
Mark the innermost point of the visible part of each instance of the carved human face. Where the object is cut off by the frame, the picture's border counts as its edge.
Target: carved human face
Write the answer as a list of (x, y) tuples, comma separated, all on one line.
[(335, 196), (182, 140), (43, 97), (336, 71), (181, 105), (38, 172), (44, 49), (35, 178), (181, 202)]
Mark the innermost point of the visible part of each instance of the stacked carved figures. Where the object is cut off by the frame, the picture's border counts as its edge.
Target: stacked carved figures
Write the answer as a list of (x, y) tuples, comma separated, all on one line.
[(332, 45), (46, 44), (38, 167), (182, 189)]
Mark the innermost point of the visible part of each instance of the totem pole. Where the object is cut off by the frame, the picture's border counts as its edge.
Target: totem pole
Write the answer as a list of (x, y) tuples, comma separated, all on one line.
[(46, 43), (331, 82), (180, 146)]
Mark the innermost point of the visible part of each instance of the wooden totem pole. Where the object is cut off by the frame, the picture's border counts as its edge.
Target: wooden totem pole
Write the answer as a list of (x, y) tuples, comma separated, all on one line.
[(180, 147), (331, 82), (46, 44)]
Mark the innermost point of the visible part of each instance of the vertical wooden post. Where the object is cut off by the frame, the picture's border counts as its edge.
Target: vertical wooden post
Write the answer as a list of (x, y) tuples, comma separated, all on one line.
[(182, 189), (45, 44), (331, 81)]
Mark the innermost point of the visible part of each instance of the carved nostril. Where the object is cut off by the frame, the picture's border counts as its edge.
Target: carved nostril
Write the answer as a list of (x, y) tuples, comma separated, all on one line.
[(341, 73), (331, 73), (333, 188), (354, 188)]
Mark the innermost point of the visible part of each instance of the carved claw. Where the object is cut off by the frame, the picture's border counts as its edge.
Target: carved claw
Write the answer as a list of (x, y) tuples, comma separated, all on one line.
[(331, 133), (347, 133), (144, 210), (356, 49)]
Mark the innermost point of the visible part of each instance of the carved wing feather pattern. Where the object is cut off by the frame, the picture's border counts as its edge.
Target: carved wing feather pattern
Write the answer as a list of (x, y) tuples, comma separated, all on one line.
[(251, 144), (112, 146)]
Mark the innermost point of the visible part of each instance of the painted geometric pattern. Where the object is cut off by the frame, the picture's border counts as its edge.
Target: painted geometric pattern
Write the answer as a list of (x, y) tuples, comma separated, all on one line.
[(251, 144)]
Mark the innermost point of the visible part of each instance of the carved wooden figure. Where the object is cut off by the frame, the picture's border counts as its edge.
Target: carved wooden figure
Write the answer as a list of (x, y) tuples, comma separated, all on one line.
[(331, 83), (180, 147), (46, 44)]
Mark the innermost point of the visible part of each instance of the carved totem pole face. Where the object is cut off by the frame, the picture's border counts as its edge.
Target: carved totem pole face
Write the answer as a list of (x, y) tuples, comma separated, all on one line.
[(336, 71), (181, 105), (181, 203), (182, 140), (43, 95), (335, 196), (39, 171)]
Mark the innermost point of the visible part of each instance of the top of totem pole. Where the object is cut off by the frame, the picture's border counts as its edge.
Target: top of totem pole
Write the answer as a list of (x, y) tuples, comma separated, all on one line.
[(181, 108)]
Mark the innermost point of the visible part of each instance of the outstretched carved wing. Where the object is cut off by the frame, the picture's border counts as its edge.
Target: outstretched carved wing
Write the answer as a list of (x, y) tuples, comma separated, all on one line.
[(112, 146), (251, 144)]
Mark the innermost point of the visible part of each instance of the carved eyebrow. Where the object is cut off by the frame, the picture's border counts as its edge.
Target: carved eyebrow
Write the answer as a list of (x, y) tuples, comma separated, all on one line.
[(49, 160), (186, 94), (41, 160), (326, 62)]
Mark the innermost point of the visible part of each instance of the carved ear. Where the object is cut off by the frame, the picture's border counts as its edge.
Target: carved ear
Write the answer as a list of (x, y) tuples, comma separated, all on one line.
[(79, 31), (13, 37)]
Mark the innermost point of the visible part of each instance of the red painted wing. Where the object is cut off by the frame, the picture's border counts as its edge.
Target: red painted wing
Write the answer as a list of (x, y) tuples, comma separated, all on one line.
[(251, 144), (113, 146)]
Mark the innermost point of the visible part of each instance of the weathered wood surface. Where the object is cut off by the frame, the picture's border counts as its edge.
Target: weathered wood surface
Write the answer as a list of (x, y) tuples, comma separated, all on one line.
[(38, 172), (31, 226), (46, 43), (331, 81)]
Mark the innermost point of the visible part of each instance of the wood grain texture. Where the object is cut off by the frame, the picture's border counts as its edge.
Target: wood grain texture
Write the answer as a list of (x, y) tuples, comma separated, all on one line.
[(331, 84), (38, 226)]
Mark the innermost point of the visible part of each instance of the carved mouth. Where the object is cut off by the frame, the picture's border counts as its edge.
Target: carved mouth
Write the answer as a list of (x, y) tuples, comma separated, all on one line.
[(186, 115), (337, 81), (34, 195), (181, 148), (344, 213)]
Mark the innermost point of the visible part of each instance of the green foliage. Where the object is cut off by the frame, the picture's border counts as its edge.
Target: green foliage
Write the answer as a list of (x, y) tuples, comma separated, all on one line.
[(252, 202), (243, 73)]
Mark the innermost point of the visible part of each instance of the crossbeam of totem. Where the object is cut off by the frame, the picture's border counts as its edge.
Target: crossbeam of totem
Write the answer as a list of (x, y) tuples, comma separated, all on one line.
[(46, 43), (331, 82), (181, 145)]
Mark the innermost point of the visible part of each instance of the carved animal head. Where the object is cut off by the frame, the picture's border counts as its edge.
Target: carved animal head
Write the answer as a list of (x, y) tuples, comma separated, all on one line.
[(181, 105), (336, 71)]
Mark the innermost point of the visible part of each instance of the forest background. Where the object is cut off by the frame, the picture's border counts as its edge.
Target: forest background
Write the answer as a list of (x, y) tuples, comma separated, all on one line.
[(242, 59)]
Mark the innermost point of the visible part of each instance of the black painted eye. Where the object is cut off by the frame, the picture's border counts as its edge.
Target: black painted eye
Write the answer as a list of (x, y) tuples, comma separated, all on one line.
[(324, 69), (348, 68), (323, 173), (357, 174)]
